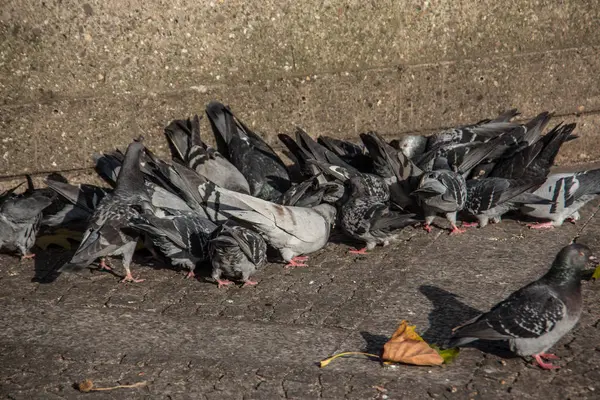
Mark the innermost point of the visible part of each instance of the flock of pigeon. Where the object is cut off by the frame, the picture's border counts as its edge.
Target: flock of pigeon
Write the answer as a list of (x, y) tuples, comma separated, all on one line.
[(227, 205)]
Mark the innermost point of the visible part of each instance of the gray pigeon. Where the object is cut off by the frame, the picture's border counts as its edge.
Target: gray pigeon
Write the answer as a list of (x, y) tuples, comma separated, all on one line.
[(290, 230), (236, 252), (81, 200), (109, 232), (413, 146), (266, 174), (490, 198), (182, 238), (20, 219), (538, 315), (369, 219), (568, 192), (188, 149), (444, 192)]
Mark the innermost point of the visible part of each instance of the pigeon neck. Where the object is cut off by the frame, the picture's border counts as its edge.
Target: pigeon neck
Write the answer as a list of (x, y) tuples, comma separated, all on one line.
[(129, 176), (563, 276)]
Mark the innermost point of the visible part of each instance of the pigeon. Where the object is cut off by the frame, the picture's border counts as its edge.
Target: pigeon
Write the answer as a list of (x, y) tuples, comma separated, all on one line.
[(568, 193), (414, 146), (21, 218), (310, 193), (400, 173), (182, 239), (369, 219), (535, 317), (266, 174), (490, 198), (188, 149), (109, 232), (535, 160), (292, 231), (502, 143), (442, 191), (81, 200), (351, 153), (236, 252)]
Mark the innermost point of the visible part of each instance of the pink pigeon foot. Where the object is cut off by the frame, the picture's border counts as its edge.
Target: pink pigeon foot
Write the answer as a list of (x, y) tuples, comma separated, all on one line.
[(223, 283), (470, 224), (572, 220), (297, 262), (250, 283), (427, 227), (541, 225), (27, 256), (544, 365), (190, 275), (456, 230), (104, 266), (358, 251), (549, 356), (130, 278)]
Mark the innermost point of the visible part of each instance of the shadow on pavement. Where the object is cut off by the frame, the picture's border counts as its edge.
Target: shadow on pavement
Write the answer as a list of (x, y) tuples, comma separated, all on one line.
[(447, 313)]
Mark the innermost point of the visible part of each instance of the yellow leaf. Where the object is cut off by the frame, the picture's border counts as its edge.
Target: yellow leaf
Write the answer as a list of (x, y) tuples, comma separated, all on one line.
[(596, 274), (447, 354), (407, 347)]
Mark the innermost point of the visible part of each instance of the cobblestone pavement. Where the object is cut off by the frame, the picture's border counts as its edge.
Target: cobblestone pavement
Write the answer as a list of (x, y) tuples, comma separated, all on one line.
[(188, 339)]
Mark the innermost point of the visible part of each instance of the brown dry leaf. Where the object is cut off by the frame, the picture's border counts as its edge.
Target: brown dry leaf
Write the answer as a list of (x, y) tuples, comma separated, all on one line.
[(407, 347)]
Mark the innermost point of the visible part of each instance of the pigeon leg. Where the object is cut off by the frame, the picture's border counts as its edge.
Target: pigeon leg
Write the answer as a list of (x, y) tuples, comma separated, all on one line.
[(456, 230), (27, 256), (127, 256), (190, 275), (296, 262), (301, 258), (541, 225), (549, 356), (223, 283), (358, 251), (470, 224), (427, 227), (130, 278), (542, 364), (249, 283), (104, 266)]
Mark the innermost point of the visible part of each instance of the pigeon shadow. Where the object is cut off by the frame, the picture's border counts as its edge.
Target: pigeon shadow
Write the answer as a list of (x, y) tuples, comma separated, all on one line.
[(449, 312), (374, 342), (47, 263)]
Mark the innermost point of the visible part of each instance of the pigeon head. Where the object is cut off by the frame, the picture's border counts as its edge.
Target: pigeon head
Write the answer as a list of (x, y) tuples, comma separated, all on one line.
[(430, 186), (411, 145), (570, 263), (327, 211)]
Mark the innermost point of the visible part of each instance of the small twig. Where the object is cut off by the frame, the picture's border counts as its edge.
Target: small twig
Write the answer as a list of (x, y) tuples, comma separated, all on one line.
[(88, 386)]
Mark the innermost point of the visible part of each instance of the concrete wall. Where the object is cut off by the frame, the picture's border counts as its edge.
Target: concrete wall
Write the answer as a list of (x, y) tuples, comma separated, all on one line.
[(82, 77)]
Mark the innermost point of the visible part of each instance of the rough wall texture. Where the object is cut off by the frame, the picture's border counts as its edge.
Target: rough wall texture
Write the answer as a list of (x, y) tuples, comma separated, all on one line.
[(82, 77)]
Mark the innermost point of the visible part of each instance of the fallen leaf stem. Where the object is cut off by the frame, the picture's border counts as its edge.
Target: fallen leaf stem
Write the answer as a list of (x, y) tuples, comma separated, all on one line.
[(326, 361)]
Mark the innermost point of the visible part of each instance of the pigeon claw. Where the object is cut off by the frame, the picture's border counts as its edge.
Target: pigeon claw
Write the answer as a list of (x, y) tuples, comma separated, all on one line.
[(130, 278), (427, 227), (104, 266), (190, 275), (456, 230), (542, 364), (223, 283), (470, 224), (27, 256), (250, 283), (541, 225), (549, 356), (297, 262), (358, 251)]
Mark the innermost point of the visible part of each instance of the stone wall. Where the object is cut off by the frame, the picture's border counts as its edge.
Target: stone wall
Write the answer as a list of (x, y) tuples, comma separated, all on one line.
[(82, 77)]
